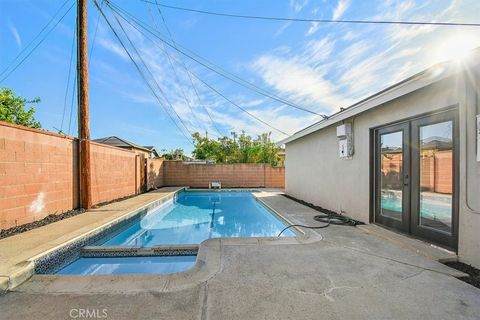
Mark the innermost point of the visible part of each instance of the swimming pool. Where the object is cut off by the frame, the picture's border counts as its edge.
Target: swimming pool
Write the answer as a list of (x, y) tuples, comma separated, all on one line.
[(434, 208), (194, 216), (129, 265)]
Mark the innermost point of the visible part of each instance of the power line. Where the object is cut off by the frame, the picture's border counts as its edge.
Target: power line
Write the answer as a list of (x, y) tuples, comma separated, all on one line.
[(177, 79), (151, 75), (68, 79), (242, 16), (187, 71), (224, 73), (141, 72), (210, 86), (74, 84), (35, 38), (35, 47), (94, 38), (72, 103)]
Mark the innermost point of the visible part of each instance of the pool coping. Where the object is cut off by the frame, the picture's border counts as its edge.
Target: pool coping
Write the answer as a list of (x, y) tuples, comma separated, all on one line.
[(208, 252), (22, 271)]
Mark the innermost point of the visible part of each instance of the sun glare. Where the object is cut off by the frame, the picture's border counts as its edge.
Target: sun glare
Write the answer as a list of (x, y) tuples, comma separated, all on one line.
[(457, 47)]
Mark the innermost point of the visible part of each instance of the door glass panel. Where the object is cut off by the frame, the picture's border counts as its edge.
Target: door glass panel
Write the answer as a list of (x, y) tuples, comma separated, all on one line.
[(436, 176), (391, 175)]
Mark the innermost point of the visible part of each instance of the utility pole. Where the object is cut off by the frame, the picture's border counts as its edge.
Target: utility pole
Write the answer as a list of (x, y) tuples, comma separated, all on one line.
[(83, 114)]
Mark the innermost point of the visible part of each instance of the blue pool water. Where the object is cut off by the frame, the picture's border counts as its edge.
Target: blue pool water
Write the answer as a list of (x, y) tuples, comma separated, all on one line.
[(440, 209), (129, 265), (191, 218)]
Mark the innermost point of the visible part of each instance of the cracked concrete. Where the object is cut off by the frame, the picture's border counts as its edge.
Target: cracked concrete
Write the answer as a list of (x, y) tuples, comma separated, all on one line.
[(350, 274)]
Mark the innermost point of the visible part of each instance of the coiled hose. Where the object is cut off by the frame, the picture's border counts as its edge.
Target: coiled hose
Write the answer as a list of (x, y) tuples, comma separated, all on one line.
[(328, 219)]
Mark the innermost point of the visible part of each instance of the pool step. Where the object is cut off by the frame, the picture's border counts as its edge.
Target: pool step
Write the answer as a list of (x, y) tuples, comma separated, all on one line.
[(121, 251)]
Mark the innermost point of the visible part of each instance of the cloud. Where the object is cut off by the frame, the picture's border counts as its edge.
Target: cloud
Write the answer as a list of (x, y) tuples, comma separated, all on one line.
[(340, 9), (16, 35), (332, 68), (298, 5), (313, 28), (300, 82)]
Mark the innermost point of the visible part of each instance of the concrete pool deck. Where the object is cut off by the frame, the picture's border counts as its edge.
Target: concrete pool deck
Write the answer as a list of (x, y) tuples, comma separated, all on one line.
[(16, 252), (346, 273)]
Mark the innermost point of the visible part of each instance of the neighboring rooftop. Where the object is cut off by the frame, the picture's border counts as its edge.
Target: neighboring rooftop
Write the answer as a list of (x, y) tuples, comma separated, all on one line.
[(115, 141)]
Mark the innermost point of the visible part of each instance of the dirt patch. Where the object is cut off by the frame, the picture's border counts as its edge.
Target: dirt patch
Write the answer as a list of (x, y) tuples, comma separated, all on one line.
[(53, 218), (32, 225), (310, 205), (473, 273)]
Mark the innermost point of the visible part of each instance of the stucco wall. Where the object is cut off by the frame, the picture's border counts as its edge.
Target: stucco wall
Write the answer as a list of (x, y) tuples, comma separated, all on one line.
[(316, 174)]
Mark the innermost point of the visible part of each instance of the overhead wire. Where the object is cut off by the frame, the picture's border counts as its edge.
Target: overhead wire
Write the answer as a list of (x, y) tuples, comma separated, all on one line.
[(89, 61), (187, 71), (35, 38), (142, 75), (243, 16), (68, 79), (203, 81), (212, 66), (177, 79), (162, 92), (29, 53)]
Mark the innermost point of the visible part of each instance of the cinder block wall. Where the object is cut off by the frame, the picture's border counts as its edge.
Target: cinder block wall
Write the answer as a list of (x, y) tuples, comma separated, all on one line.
[(240, 175), (114, 173), (38, 174), (155, 175)]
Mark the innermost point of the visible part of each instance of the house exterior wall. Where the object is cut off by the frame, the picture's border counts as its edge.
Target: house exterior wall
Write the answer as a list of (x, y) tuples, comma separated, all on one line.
[(316, 174)]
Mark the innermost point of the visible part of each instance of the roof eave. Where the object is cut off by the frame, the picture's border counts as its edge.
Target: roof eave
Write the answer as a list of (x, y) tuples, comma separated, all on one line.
[(420, 80)]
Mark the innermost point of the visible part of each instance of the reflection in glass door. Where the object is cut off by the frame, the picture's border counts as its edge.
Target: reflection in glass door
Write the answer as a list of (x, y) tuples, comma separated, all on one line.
[(434, 197), (436, 173), (392, 176), (415, 185)]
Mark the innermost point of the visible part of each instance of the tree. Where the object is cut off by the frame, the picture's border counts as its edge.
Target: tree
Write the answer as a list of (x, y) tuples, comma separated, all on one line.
[(177, 154), (12, 109), (243, 149)]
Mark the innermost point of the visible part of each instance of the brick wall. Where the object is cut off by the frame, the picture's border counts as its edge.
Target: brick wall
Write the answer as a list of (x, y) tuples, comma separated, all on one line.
[(114, 173), (240, 175), (37, 174)]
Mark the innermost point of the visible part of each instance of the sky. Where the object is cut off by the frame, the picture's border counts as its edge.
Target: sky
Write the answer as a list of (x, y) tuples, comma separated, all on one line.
[(320, 67)]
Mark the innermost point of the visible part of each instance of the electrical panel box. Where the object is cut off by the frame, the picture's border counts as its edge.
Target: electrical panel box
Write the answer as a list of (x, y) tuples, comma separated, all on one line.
[(478, 137), (345, 141), (344, 130), (345, 148)]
